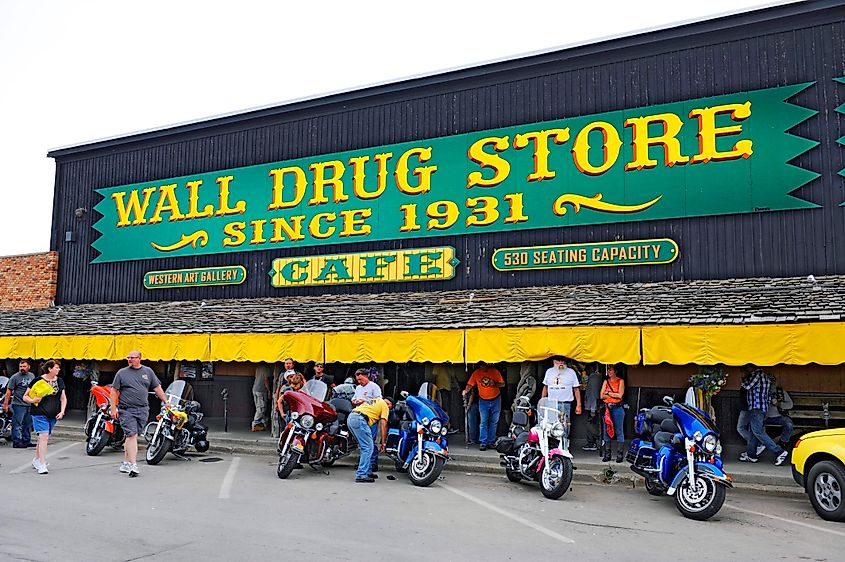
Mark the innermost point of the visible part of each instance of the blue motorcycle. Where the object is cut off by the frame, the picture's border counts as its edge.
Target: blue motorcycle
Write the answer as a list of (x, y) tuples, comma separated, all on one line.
[(678, 454), (418, 446)]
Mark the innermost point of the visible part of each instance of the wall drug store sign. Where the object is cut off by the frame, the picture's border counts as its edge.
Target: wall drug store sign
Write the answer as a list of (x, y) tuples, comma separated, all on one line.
[(709, 156)]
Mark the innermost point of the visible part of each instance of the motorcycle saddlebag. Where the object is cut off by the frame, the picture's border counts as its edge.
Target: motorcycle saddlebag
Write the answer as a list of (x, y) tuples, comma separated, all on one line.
[(504, 445), (392, 440), (640, 453)]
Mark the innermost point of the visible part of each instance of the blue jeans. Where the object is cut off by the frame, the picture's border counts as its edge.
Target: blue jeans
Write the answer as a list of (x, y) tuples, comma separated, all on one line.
[(359, 427), (786, 427), (473, 422), (21, 425), (374, 456), (489, 411), (617, 414), (743, 427), (756, 418)]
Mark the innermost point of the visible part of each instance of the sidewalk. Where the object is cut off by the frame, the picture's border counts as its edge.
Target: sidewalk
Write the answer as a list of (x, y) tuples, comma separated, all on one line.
[(763, 475)]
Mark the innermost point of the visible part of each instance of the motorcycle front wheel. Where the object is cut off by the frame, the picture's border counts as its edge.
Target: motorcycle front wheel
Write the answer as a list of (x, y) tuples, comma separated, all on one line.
[(97, 441), (157, 449), (556, 477), (700, 502), (425, 470), (287, 463)]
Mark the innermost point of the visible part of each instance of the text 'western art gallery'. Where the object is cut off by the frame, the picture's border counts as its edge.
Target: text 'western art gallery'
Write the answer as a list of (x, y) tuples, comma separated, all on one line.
[(670, 200)]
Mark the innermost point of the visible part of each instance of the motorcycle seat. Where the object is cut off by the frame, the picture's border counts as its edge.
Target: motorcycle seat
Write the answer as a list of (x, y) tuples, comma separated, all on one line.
[(520, 440), (657, 414), (341, 405), (669, 425), (666, 438)]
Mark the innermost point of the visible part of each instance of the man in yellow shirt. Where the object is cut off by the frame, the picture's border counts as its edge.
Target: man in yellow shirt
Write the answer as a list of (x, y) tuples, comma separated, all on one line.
[(360, 423)]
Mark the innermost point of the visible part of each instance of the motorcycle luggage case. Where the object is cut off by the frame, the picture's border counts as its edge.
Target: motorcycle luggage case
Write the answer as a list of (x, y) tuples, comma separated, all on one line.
[(640, 453), (392, 440), (504, 445)]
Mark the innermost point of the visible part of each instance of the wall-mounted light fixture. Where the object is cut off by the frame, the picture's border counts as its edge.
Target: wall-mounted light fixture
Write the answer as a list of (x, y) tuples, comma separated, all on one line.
[(80, 212)]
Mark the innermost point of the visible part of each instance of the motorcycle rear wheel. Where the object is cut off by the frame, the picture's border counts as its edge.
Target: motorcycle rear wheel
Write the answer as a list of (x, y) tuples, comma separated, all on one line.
[(97, 441), (700, 503), (556, 477), (157, 449), (653, 488), (287, 463), (425, 471)]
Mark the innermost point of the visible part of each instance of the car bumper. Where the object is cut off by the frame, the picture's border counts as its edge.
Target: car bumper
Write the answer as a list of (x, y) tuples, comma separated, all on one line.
[(797, 476)]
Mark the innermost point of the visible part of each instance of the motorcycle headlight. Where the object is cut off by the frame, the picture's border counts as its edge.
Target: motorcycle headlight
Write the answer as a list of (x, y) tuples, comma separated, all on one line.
[(710, 443), (425, 421), (319, 427), (557, 430), (719, 449), (306, 421), (697, 436), (444, 431), (435, 426), (294, 415)]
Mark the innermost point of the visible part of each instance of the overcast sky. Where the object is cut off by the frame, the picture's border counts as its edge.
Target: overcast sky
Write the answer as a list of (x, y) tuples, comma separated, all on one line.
[(80, 70)]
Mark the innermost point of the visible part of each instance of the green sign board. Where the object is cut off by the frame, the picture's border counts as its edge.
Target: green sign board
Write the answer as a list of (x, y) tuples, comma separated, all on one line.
[(710, 156), (175, 278), (616, 254)]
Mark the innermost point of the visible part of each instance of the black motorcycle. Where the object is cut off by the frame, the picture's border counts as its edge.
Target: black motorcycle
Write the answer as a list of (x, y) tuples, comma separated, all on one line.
[(177, 427)]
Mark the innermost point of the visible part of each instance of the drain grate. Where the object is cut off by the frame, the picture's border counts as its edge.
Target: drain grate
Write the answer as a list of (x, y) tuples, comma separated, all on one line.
[(211, 459)]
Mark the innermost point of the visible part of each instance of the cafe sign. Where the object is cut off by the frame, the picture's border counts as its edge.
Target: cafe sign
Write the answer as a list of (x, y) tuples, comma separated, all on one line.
[(419, 264), (199, 277), (709, 156), (617, 254)]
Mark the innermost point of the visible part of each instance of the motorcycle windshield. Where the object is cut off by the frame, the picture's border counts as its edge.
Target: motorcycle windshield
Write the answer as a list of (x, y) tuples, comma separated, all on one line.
[(424, 408), (315, 389), (549, 411), (178, 392)]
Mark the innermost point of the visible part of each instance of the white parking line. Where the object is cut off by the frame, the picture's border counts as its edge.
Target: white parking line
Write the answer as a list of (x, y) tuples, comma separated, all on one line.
[(789, 522), (500, 511), (49, 454), (226, 486)]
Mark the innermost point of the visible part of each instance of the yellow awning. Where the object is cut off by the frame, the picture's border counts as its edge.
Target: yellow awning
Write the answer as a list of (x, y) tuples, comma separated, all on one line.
[(164, 347), (607, 344), (762, 344), (437, 346), (74, 347), (17, 347), (267, 347)]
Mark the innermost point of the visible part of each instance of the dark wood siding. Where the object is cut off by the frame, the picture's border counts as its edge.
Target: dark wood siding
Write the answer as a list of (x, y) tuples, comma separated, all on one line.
[(792, 50)]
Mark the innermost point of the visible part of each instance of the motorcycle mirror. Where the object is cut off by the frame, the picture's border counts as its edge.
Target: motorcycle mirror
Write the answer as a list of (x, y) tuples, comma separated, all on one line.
[(224, 393), (668, 400), (404, 394)]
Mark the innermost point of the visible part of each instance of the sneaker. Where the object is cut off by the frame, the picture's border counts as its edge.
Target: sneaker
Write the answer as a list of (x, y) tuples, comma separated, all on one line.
[(366, 479), (125, 466), (781, 457), (42, 469), (760, 449), (36, 464), (373, 476), (745, 458), (589, 448), (133, 471), (482, 447)]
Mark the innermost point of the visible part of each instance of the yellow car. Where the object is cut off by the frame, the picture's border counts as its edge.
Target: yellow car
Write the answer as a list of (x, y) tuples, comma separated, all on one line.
[(818, 466)]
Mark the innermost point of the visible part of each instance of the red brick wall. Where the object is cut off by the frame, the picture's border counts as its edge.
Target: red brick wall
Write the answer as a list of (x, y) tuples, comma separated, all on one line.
[(28, 281)]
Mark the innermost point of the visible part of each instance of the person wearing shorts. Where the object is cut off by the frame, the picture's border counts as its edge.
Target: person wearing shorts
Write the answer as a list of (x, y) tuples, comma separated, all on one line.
[(45, 410), (130, 406)]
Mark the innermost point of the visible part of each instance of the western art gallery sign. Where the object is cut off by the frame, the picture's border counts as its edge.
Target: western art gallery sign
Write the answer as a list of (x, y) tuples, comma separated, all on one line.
[(711, 156)]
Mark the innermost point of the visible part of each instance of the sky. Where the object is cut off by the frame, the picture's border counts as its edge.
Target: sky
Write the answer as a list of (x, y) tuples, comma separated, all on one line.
[(83, 70)]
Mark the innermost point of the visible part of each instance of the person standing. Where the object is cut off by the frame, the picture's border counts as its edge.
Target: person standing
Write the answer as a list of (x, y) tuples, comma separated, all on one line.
[(612, 392), (261, 395), (562, 385), (758, 383), (46, 410), (21, 416), (592, 400), (361, 422), (130, 405), (366, 389), (489, 382)]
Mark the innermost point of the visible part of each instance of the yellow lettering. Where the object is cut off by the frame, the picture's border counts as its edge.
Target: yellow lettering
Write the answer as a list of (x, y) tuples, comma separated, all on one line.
[(541, 150), (501, 167), (351, 222), (300, 183), (442, 214), (611, 144), (708, 132), (358, 175), (282, 228), (193, 202), (315, 226), (423, 173), (167, 202), (223, 209), (258, 231), (321, 181), (642, 141), (235, 232), (485, 213), (133, 207)]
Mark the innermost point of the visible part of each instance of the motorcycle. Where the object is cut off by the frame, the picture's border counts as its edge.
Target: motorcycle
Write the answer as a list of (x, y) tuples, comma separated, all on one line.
[(678, 454), (316, 432), (418, 446), (5, 417), (541, 453), (177, 426), (101, 429)]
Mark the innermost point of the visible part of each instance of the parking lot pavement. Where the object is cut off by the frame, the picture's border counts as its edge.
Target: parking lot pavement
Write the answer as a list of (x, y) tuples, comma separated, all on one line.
[(219, 506)]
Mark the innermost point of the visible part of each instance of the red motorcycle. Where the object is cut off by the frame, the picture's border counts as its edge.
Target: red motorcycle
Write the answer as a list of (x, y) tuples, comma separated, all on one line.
[(316, 432), (101, 429)]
